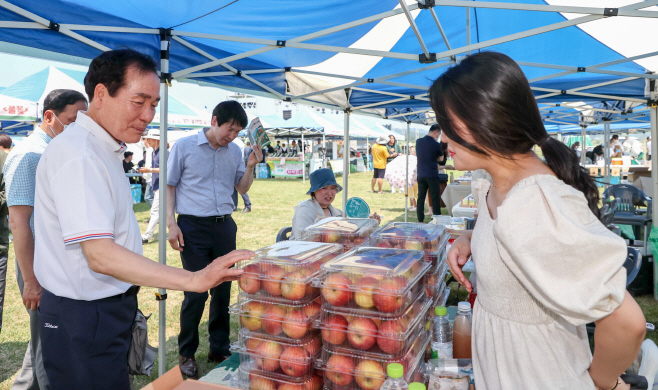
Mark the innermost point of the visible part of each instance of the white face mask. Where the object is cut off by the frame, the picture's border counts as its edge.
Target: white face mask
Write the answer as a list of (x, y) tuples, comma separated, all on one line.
[(60, 122)]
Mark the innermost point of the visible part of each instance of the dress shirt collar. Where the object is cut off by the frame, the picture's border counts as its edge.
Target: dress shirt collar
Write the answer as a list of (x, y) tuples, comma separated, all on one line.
[(42, 135), (97, 131), (202, 139)]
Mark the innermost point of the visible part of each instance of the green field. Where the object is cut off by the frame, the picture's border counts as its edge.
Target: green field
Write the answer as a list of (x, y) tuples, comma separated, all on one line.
[(273, 202)]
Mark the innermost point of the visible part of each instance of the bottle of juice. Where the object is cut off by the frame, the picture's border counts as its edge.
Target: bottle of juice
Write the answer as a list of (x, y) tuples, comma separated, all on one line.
[(461, 333)]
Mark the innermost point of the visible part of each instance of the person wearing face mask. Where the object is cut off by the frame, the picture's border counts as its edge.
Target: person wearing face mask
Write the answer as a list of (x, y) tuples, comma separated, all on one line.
[(61, 108), (204, 169)]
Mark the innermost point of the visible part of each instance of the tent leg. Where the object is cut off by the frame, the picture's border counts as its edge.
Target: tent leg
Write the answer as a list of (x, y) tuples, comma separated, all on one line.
[(324, 153), (346, 157), (304, 161), (606, 154), (654, 172), (406, 177), (162, 229), (367, 156), (582, 144)]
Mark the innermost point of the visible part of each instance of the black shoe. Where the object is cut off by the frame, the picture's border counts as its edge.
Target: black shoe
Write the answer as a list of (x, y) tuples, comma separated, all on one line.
[(144, 241), (188, 367), (246, 210), (216, 359)]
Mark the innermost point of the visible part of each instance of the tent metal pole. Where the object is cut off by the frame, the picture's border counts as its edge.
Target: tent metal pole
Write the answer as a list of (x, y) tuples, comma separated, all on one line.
[(544, 8), (438, 24), (346, 157), (468, 28), (606, 154), (162, 229), (304, 161), (595, 95), (406, 176), (582, 145), (412, 23), (324, 148), (654, 170)]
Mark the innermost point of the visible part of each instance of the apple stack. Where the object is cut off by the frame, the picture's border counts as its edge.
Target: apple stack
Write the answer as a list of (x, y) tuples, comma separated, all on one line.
[(277, 307), (374, 309), (431, 239), (349, 232)]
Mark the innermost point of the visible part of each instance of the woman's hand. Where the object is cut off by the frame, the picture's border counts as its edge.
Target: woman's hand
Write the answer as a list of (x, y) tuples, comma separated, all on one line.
[(457, 257)]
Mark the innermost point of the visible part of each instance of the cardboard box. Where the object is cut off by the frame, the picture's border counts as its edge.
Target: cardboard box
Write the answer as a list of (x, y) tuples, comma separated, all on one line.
[(173, 380)]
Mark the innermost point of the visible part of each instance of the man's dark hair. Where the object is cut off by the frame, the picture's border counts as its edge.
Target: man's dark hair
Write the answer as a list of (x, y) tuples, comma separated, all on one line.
[(615, 136), (5, 141), (278, 142), (110, 69), (127, 154), (434, 127), (57, 100), (232, 112)]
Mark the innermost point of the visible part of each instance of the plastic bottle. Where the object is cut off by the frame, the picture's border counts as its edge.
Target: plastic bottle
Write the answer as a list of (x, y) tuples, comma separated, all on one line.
[(452, 177), (395, 379), (416, 386), (441, 334), (461, 342)]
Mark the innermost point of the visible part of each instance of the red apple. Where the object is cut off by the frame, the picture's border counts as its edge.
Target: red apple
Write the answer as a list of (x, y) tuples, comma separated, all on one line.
[(359, 241), (317, 264), (292, 286), (273, 283), (336, 289), (295, 361), (384, 244), (388, 298), (260, 383), (268, 355), (370, 375), (249, 282), (312, 309), (251, 346), (362, 333), (334, 330), (340, 370), (252, 315), (331, 237), (313, 384), (272, 319), (313, 346), (296, 324), (390, 335), (363, 298), (291, 386)]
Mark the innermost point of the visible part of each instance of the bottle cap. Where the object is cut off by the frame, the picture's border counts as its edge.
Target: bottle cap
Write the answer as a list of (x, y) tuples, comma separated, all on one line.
[(440, 310), (416, 386), (395, 370), (464, 306)]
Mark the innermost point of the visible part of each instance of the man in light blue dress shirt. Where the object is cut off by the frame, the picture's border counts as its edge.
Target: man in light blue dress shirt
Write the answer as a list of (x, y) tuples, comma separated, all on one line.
[(203, 171)]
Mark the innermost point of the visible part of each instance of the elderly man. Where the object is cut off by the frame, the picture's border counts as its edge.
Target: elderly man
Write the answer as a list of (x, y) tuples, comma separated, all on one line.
[(60, 108), (204, 170), (88, 254), (152, 142)]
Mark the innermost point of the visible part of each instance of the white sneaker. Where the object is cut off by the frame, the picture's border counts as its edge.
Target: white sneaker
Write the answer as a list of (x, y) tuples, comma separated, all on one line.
[(392, 190), (411, 208)]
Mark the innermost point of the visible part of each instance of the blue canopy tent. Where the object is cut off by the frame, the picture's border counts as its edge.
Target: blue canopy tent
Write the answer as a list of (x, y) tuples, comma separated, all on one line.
[(373, 58)]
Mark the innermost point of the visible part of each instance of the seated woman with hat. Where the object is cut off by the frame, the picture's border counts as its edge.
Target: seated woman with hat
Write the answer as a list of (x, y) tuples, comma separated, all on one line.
[(323, 192)]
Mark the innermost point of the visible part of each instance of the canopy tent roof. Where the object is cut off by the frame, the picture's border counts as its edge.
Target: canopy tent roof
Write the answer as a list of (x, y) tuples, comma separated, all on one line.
[(288, 49)]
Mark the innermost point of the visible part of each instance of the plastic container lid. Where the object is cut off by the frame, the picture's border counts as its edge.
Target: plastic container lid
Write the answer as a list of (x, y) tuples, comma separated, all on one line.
[(405, 235), (464, 306), (395, 370), (442, 310), (342, 225), (416, 386)]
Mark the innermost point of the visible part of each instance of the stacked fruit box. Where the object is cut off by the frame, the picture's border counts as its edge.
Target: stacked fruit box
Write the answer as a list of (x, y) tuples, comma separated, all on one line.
[(349, 232), (431, 239), (277, 307), (374, 310)]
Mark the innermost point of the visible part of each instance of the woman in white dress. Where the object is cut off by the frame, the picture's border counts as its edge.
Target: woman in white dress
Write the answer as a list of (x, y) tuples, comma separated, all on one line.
[(545, 264)]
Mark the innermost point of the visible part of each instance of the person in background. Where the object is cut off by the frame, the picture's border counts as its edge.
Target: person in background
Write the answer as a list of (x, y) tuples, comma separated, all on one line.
[(317, 149), (594, 154), (615, 149), (649, 148), (146, 175), (429, 153), (270, 150), (204, 169), (5, 147), (393, 151), (379, 155), (283, 149), (60, 108), (574, 148), (293, 146), (152, 141), (528, 330), (128, 165), (140, 164), (278, 146)]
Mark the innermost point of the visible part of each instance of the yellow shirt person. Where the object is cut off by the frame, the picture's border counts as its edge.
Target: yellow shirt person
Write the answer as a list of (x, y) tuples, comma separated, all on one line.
[(379, 156)]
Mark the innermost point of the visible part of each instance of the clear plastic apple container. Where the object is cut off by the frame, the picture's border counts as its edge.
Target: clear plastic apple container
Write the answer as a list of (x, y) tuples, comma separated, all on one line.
[(250, 378), (349, 232), (408, 235), (346, 331), (278, 358), (276, 318), (437, 259), (286, 269), (367, 371), (434, 281), (373, 280)]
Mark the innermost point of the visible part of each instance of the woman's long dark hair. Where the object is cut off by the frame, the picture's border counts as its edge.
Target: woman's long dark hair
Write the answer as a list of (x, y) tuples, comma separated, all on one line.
[(491, 96)]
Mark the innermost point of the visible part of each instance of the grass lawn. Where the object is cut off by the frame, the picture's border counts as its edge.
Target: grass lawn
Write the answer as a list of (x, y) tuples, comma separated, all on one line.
[(272, 209)]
